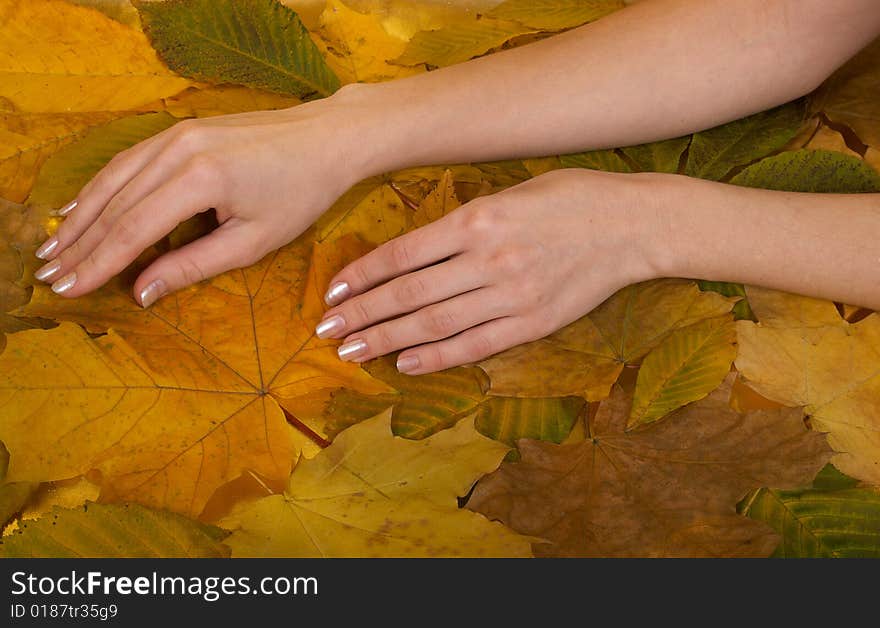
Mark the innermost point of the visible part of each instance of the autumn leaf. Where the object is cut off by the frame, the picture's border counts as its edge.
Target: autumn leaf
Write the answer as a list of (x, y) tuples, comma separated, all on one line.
[(605, 160), (669, 489), (217, 100), (58, 57), (120, 10), (176, 400), (374, 494), (554, 15), (690, 363), (27, 140), (832, 519), (427, 404), (13, 495), (460, 42), (662, 156), (66, 172), (811, 171), (258, 43), (849, 96), (802, 353), (114, 531), (714, 153), (358, 47), (586, 357)]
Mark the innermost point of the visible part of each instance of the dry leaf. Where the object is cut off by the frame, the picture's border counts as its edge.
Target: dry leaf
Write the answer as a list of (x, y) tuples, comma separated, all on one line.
[(669, 489), (176, 400), (803, 353), (374, 494)]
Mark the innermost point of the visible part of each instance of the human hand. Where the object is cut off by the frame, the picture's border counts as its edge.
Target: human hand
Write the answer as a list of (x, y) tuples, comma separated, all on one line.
[(268, 174), (499, 271)]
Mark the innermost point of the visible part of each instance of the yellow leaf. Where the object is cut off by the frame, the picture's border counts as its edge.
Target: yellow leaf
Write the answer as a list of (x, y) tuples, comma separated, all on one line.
[(689, 364), (111, 531), (58, 57), (586, 357), (179, 399), (554, 15), (802, 353), (371, 493), (28, 139), (221, 100), (850, 95), (357, 47), (460, 42)]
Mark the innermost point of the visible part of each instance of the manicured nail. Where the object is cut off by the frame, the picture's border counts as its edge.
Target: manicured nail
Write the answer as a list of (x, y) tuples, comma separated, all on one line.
[(47, 247), (351, 350), (337, 293), (330, 326), (64, 284), (66, 209), (48, 270), (408, 364), (154, 291)]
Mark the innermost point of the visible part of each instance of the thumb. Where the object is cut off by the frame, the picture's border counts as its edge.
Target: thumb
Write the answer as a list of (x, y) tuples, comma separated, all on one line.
[(231, 245)]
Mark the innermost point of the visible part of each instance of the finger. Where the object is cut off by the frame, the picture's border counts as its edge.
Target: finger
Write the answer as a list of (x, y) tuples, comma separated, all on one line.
[(144, 183), (83, 270), (400, 296), (405, 254), (431, 323), (472, 345), (229, 246)]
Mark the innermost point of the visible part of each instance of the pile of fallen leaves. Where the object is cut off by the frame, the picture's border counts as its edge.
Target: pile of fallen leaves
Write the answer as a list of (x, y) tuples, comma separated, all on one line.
[(679, 418)]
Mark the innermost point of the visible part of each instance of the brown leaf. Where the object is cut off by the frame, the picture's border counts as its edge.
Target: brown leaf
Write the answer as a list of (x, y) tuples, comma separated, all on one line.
[(670, 489)]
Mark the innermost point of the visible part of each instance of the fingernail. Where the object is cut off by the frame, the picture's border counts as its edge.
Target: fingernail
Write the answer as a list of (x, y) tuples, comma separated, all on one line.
[(64, 284), (66, 209), (154, 291), (47, 247), (408, 364), (330, 326), (48, 270), (337, 293), (351, 350)]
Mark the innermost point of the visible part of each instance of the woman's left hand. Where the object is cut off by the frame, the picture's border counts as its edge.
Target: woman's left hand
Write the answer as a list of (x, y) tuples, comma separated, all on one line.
[(500, 271)]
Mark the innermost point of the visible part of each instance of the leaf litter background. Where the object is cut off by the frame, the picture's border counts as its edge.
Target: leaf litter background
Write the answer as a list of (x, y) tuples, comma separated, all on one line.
[(680, 418)]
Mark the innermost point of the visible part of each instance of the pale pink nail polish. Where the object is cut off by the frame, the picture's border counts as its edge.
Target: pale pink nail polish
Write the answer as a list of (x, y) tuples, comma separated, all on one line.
[(337, 293), (66, 209), (64, 284), (47, 247), (154, 291), (352, 350), (408, 364), (48, 270), (330, 326)]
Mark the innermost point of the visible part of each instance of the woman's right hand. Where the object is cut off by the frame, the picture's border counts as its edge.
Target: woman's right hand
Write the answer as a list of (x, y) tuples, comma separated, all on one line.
[(268, 174)]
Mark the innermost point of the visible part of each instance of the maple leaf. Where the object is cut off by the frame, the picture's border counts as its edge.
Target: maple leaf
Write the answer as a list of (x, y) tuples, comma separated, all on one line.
[(174, 401), (374, 494), (669, 489), (803, 353), (586, 357), (113, 531), (58, 57)]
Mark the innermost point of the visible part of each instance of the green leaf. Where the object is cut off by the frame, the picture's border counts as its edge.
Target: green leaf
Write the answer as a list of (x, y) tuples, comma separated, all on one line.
[(742, 310), (113, 531), (714, 153), (67, 171), (819, 523), (689, 364), (830, 479), (658, 156), (555, 14), (454, 44), (434, 402), (258, 43), (606, 160), (811, 171)]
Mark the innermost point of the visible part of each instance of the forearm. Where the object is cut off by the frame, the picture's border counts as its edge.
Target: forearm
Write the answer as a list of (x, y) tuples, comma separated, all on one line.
[(822, 245), (659, 69)]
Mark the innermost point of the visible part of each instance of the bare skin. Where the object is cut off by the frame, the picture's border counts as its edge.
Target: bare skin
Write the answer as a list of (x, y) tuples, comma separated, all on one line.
[(518, 265)]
